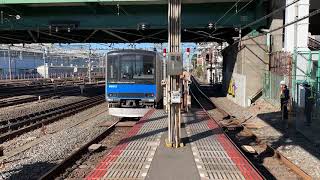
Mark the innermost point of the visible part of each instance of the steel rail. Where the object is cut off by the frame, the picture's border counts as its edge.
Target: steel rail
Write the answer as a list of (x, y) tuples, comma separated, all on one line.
[(14, 127), (205, 110), (60, 168), (7, 92), (282, 158), (35, 98)]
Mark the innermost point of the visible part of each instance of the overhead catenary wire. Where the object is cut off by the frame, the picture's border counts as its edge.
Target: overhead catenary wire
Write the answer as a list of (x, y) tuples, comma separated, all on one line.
[(235, 4), (237, 12), (224, 22), (266, 16), (270, 14), (281, 27)]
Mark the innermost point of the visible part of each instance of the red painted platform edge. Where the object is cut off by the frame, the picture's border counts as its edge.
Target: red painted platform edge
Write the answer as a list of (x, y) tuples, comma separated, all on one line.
[(241, 162), (102, 167)]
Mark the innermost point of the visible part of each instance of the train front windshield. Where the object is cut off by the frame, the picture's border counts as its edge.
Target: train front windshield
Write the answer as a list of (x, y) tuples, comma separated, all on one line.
[(131, 68)]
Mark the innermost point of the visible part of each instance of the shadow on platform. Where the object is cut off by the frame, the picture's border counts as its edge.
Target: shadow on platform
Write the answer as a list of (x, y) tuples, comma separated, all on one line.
[(29, 171), (141, 136)]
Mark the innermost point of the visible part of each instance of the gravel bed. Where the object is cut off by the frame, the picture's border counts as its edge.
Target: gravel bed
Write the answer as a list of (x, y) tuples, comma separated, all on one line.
[(52, 128), (15, 98), (84, 166), (35, 161), (28, 108), (268, 128), (273, 165)]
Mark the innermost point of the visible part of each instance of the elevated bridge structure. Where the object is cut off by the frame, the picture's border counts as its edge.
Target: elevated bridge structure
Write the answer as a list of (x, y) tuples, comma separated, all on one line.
[(134, 21)]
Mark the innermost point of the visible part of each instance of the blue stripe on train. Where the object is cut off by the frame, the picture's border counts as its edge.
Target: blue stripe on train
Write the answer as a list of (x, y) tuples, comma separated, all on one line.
[(131, 88)]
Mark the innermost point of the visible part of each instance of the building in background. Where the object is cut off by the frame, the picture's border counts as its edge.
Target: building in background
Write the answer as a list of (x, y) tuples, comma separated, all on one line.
[(209, 61), (28, 61)]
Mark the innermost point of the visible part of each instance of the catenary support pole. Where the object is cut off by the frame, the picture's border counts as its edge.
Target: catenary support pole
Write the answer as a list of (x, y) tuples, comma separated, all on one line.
[(9, 61), (174, 43)]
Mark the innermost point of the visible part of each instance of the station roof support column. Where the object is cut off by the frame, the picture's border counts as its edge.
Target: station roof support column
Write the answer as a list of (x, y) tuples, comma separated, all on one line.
[(174, 64)]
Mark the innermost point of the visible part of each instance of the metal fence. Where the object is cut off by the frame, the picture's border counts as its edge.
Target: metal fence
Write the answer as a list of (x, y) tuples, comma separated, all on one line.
[(280, 68), (271, 87), (283, 66), (311, 76)]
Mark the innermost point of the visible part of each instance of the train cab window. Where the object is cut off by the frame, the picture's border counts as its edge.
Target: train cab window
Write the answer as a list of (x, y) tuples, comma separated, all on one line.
[(126, 67), (112, 67), (136, 67), (144, 67)]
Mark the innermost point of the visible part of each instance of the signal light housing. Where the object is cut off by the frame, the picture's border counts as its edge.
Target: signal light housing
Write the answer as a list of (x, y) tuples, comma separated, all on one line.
[(164, 52)]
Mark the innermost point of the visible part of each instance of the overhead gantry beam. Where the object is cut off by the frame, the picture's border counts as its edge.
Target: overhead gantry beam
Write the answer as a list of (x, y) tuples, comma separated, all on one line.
[(61, 37), (138, 35), (101, 20), (150, 36), (87, 38), (115, 35), (112, 1), (32, 36), (15, 40), (193, 16)]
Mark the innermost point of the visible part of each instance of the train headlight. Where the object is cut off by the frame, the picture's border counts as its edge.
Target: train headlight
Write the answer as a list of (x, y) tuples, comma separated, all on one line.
[(149, 95), (110, 94)]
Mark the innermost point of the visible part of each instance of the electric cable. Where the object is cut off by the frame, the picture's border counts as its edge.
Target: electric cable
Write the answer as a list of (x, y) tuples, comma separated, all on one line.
[(215, 24), (281, 27), (242, 8), (270, 14)]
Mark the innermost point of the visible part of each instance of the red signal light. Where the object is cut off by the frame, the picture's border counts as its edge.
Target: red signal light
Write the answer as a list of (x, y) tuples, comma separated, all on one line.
[(188, 51)]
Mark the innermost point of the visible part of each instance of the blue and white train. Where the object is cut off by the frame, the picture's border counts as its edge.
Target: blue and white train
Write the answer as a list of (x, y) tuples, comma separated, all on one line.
[(133, 82)]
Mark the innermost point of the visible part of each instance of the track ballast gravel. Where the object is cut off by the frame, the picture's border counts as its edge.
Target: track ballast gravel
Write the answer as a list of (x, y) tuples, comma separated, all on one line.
[(35, 161)]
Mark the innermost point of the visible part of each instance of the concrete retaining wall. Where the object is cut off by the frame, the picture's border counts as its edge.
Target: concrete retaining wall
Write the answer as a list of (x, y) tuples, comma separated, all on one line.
[(237, 89)]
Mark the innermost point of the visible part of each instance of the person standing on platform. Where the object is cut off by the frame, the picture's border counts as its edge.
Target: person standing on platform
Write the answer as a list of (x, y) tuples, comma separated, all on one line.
[(309, 103), (284, 101)]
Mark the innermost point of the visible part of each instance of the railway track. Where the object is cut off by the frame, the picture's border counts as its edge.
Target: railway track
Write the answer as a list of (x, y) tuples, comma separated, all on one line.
[(82, 152), (7, 92), (20, 100), (12, 128), (205, 103)]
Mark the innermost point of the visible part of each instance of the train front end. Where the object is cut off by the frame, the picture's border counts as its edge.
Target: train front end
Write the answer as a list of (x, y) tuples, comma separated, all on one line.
[(131, 88)]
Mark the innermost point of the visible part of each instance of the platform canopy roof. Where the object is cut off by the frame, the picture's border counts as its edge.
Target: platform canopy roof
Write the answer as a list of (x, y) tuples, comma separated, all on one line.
[(134, 21)]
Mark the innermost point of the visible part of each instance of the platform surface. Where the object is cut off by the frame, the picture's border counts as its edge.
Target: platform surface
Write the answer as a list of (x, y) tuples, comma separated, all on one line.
[(208, 153)]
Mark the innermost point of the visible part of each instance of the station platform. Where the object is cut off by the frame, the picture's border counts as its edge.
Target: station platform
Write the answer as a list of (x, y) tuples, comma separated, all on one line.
[(207, 154)]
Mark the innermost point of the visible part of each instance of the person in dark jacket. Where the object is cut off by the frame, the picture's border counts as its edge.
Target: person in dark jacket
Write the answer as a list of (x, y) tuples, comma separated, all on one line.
[(284, 100), (309, 103)]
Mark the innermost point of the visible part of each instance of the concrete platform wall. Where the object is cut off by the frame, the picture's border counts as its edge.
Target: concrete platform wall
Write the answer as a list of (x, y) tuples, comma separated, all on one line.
[(251, 59), (244, 66)]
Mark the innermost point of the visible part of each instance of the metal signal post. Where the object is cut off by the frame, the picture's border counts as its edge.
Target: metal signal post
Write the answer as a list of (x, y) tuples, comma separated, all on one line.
[(186, 82)]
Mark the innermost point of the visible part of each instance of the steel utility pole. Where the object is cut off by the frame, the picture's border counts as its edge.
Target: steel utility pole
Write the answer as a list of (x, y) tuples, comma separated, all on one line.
[(44, 63), (174, 70), (186, 82), (210, 61), (164, 81), (89, 66), (9, 60), (215, 66)]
